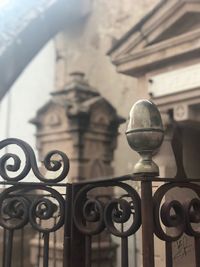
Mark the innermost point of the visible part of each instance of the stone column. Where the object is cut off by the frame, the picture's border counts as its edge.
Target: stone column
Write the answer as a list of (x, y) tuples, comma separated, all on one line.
[(83, 124)]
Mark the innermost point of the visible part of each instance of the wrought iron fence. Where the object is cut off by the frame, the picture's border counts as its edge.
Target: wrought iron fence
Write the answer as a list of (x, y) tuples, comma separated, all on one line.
[(21, 205), (84, 218)]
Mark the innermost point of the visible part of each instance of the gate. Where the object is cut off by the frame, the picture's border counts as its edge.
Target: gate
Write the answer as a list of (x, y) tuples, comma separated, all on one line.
[(51, 205)]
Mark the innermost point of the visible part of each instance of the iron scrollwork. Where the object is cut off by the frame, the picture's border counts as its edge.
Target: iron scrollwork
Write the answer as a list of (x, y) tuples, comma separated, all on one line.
[(50, 163), (92, 216), (181, 216), (22, 203), (17, 210)]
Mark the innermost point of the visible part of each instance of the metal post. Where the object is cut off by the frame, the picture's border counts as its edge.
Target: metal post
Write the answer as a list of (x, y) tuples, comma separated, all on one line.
[(147, 224), (77, 239), (145, 135), (67, 227), (197, 257), (168, 254)]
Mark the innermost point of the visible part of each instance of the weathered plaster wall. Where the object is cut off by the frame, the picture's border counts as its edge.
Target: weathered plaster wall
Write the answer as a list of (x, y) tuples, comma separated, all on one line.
[(83, 47), (80, 47)]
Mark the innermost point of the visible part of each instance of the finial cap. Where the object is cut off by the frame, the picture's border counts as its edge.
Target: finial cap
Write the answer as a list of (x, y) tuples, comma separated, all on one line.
[(145, 134)]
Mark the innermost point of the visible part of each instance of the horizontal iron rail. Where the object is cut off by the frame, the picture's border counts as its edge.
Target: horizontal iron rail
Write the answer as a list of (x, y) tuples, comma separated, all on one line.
[(108, 179), (137, 179), (34, 184)]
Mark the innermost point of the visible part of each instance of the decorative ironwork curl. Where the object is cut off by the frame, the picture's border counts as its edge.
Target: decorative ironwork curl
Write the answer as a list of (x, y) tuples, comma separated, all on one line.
[(31, 163), (115, 211), (118, 211), (176, 215), (93, 210), (16, 211), (16, 160), (192, 210), (88, 211)]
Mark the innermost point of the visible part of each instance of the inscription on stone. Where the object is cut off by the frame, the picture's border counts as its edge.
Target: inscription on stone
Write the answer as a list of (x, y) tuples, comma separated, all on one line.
[(183, 252), (182, 248), (176, 81)]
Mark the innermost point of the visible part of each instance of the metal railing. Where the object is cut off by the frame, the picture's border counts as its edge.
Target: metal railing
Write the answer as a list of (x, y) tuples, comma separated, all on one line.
[(85, 216)]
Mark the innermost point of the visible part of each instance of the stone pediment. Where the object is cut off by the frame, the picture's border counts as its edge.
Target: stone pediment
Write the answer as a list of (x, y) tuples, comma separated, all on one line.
[(169, 31), (49, 116), (101, 111), (99, 103)]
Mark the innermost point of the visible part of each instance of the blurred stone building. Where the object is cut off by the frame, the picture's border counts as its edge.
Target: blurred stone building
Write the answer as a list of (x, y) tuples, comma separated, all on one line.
[(80, 47), (157, 58)]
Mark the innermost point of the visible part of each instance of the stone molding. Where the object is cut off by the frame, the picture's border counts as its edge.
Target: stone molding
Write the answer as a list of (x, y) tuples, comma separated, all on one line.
[(158, 41)]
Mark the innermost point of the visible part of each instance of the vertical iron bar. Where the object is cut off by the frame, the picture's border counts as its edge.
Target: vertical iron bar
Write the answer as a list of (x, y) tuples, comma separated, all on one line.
[(197, 255), (39, 248), (88, 251), (9, 247), (124, 252), (135, 249), (110, 246), (147, 224), (99, 250), (4, 247), (77, 238), (54, 246), (168, 254), (22, 248), (46, 250), (67, 227), (39, 245)]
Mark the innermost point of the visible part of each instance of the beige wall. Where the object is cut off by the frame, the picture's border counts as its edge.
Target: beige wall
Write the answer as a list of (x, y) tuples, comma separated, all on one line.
[(83, 47)]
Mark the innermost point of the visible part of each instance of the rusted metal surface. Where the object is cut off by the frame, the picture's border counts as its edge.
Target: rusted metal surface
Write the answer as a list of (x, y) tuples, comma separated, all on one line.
[(85, 216), (20, 205), (147, 224)]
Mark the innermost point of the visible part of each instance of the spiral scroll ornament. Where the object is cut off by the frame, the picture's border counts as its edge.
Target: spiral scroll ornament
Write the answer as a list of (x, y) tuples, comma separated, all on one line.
[(50, 163), (90, 211), (16, 161), (14, 213), (91, 216), (16, 209), (177, 216), (192, 210)]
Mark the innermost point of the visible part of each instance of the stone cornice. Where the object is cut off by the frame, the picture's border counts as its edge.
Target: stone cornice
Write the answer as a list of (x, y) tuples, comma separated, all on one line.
[(160, 40), (190, 97), (163, 53)]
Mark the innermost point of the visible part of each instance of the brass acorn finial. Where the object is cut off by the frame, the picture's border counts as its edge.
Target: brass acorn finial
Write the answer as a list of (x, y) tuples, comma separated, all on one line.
[(145, 135)]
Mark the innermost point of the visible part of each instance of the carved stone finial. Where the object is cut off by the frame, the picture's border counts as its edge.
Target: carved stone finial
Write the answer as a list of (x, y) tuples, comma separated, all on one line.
[(145, 135)]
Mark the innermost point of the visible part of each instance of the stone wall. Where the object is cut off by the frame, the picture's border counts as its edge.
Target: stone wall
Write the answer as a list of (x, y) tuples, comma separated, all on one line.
[(83, 47)]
